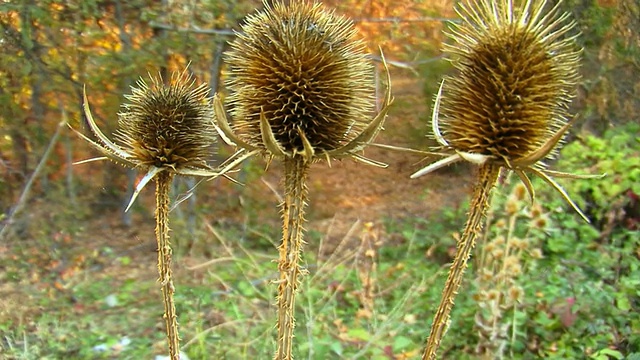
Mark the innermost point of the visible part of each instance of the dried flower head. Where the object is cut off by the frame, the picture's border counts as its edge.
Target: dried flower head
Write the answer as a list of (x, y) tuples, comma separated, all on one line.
[(540, 222), (517, 70), (300, 82), (511, 206), (162, 128), (536, 253), (519, 192), (515, 294), (168, 126)]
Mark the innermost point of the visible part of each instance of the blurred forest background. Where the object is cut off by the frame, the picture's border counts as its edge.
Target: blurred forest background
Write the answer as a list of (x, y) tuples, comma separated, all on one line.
[(77, 274)]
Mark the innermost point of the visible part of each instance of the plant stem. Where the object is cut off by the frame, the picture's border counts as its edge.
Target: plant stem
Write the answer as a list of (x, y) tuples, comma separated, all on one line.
[(163, 183), (295, 201), (487, 177)]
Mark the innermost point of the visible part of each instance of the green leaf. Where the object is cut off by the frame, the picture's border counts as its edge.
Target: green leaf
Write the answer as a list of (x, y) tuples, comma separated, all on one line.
[(359, 333), (622, 302), (401, 343), (336, 348), (606, 354)]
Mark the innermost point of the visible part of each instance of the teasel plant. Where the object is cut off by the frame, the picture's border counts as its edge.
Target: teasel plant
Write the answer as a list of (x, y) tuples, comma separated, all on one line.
[(506, 109), (164, 130), (507, 254), (301, 90)]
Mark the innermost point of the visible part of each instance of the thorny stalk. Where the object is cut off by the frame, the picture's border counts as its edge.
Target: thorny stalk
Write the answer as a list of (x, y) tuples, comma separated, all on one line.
[(295, 201), (163, 184)]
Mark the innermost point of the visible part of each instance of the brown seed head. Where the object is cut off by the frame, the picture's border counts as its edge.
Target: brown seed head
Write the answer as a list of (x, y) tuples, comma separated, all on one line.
[(304, 69), (168, 125), (517, 72), (515, 294)]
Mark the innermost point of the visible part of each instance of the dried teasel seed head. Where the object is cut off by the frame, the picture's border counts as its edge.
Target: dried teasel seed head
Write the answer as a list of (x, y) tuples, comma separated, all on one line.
[(517, 73), (536, 211), (168, 125), (486, 275), (539, 222), (302, 68), (499, 240), (536, 253), (519, 191), (518, 243), (493, 295), (511, 206), (497, 253), (515, 294)]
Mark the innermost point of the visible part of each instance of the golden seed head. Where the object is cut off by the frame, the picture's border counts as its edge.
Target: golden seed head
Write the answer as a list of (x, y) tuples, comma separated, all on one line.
[(519, 191), (493, 295), (489, 247), (536, 211), (497, 253), (168, 125), (536, 253), (539, 223), (513, 269), (304, 68), (486, 275), (521, 244), (511, 207), (511, 260), (517, 73), (515, 294)]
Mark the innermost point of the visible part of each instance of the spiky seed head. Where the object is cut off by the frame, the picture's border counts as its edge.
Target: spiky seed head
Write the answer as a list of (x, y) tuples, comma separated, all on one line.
[(306, 70), (517, 72), (168, 125)]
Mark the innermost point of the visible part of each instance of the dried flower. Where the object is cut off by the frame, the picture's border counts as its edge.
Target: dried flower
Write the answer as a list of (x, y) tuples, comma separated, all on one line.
[(493, 295), (536, 211), (162, 128), (511, 206), (540, 222), (506, 108), (301, 90), (519, 192), (536, 253), (515, 294), (508, 103), (300, 83)]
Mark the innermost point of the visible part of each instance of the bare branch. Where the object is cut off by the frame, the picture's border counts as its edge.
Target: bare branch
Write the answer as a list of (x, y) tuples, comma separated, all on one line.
[(195, 30), (403, 20), (8, 222)]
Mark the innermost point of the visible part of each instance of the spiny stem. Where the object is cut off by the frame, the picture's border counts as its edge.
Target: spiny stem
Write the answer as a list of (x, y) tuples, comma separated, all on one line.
[(487, 176), (295, 201), (163, 183)]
